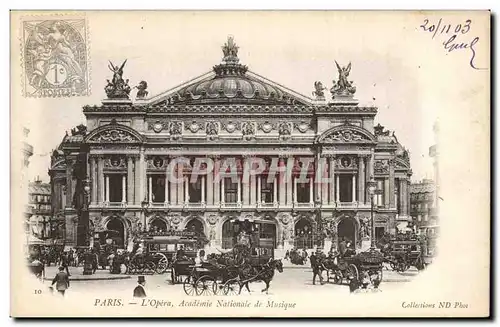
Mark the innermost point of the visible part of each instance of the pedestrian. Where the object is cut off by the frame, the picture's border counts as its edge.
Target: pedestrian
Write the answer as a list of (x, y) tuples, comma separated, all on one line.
[(316, 266), (139, 290), (61, 280), (65, 262), (342, 247), (287, 255)]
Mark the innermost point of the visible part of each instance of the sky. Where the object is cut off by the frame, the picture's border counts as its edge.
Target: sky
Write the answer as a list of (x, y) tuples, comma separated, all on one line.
[(390, 67)]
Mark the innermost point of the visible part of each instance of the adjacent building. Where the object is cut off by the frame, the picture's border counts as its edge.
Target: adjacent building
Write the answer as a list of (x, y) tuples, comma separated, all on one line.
[(40, 208), (111, 173)]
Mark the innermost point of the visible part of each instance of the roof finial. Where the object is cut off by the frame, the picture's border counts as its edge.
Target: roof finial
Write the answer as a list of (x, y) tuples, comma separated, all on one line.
[(230, 50)]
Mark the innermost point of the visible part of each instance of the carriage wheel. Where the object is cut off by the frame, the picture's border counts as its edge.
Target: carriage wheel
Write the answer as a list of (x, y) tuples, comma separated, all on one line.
[(353, 272), (206, 285), (231, 287), (188, 286), (150, 267)]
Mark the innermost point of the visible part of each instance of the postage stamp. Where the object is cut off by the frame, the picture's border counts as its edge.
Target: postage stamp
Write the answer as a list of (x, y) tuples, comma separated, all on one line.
[(54, 56)]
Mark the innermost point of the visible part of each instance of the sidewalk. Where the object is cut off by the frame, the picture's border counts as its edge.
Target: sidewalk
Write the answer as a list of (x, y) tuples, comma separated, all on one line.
[(77, 274)]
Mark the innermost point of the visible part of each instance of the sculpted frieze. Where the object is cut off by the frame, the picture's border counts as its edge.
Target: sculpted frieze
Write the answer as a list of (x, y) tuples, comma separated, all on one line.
[(381, 166), (231, 126)]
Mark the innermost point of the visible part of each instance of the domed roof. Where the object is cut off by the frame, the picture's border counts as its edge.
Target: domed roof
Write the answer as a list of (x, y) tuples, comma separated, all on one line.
[(232, 84)]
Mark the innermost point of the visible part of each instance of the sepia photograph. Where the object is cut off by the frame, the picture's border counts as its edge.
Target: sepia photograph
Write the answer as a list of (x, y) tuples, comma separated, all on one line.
[(250, 164)]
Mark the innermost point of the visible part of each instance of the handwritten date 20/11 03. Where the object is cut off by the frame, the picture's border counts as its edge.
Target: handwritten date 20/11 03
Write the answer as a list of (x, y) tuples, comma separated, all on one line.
[(452, 43)]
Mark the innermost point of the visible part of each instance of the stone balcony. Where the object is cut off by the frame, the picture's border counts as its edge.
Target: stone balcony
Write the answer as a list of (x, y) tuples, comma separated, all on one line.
[(197, 206)]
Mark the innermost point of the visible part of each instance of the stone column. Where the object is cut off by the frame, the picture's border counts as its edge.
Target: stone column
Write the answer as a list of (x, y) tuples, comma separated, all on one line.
[(173, 183), (404, 196), (289, 190), (282, 183), (130, 181), (203, 189), (245, 181), (311, 190), (124, 189), (186, 189), (210, 187), (238, 195), (222, 192), (319, 170), (150, 189), (295, 190), (100, 180), (354, 188), (361, 180), (180, 186), (259, 189), (253, 190), (337, 188), (324, 185), (137, 181), (93, 182), (166, 184), (106, 199), (275, 191), (216, 182), (69, 182), (392, 199), (386, 192), (143, 177), (332, 180)]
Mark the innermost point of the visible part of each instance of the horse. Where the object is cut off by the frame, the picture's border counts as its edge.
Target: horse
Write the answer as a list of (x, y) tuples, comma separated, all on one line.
[(263, 273)]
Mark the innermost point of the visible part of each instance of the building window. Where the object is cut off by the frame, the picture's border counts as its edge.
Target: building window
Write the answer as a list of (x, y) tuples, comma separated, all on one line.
[(230, 191), (267, 190), (115, 187), (419, 218), (426, 217), (303, 192), (345, 188), (195, 191), (157, 188), (379, 196)]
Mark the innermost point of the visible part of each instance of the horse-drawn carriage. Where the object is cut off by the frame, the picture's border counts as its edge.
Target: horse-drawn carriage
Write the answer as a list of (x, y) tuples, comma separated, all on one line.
[(358, 270), (405, 253)]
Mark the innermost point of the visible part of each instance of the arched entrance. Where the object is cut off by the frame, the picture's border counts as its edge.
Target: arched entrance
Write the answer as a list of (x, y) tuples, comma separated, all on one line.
[(158, 226), (346, 230), (303, 234), (194, 225), (116, 224), (258, 232)]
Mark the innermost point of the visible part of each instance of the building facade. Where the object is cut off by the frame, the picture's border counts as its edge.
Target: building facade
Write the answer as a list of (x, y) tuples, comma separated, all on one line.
[(123, 154), (40, 208)]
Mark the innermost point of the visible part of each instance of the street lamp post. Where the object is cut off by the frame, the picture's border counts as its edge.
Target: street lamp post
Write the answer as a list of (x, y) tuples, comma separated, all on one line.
[(372, 186)]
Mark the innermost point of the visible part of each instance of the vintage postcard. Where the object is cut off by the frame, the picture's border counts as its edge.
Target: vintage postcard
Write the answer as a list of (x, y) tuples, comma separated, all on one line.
[(250, 164)]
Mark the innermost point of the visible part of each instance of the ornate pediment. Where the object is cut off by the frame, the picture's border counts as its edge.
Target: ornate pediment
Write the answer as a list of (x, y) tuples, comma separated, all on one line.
[(114, 133), (346, 133)]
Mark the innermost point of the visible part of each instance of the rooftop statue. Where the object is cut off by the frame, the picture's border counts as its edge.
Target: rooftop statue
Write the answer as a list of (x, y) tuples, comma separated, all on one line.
[(141, 90), (319, 90), (230, 50), (117, 88), (343, 86)]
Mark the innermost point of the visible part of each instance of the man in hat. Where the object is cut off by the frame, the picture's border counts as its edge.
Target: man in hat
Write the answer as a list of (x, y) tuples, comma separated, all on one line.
[(139, 290), (61, 280)]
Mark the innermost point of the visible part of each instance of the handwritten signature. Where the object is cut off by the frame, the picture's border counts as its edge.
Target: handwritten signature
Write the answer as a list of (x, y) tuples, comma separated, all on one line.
[(452, 43)]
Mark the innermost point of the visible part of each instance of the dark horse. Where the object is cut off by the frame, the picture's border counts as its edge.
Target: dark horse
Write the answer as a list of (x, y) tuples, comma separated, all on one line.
[(265, 273)]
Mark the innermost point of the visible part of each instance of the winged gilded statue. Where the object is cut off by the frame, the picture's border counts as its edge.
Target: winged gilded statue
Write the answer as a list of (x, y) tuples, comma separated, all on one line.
[(343, 85), (117, 88)]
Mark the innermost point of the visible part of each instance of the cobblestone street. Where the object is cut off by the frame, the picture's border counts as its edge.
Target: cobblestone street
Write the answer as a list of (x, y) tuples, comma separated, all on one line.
[(294, 279)]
